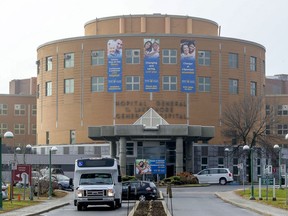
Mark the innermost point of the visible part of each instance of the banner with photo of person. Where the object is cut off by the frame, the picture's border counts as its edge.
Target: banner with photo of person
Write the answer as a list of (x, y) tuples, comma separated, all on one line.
[(150, 166), (151, 65), (188, 68), (114, 65)]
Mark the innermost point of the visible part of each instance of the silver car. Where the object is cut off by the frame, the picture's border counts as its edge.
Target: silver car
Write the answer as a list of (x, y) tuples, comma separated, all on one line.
[(4, 191)]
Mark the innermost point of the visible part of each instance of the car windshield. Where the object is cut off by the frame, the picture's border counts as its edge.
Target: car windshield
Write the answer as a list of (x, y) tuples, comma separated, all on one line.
[(95, 179)]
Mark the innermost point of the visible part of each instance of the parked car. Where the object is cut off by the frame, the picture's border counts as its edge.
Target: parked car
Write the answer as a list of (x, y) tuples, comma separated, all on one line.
[(4, 191), (139, 190), (64, 182), (214, 176), (45, 171)]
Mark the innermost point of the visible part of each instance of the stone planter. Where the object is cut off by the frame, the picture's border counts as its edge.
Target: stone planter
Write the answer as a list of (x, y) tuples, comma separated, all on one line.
[(150, 208)]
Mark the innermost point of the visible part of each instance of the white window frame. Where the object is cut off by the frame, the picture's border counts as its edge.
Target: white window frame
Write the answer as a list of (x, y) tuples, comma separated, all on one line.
[(48, 88), (233, 86), (97, 57), (169, 83), (19, 129), (253, 88), (169, 56), (97, 84), (204, 84), (49, 63), (132, 83), (19, 109), (204, 58), (132, 56), (3, 109), (253, 63), (233, 60), (68, 60), (68, 86)]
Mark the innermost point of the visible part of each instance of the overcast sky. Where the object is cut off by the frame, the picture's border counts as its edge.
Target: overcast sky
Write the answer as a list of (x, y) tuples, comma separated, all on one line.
[(27, 24)]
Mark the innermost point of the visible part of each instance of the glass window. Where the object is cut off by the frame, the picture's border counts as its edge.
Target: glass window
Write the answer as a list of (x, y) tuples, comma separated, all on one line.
[(233, 60), (132, 83), (3, 128), (19, 129), (68, 60), (97, 84), (204, 58), (282, 129), (204, 84), (34, 110), (3, 109), (282, 110), (169, 56), (48, 91), (253, 63), (129, 148), (38, 66), (253, 88), (34, 129), (97, 57), (19, 109), (204, 162), (133, 56), (233, 86), (68, 86), (169, 83), (49, 63)]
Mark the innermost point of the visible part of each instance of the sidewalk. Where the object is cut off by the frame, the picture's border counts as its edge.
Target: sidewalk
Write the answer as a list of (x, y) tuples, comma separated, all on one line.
[(43, 206), (236, 200)]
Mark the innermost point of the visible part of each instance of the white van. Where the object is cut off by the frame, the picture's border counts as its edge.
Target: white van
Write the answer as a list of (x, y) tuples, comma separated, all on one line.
[(214, 176), (97, 181)]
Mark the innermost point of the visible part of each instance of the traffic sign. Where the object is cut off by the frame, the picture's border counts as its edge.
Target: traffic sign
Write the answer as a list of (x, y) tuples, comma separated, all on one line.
[(22, 174)]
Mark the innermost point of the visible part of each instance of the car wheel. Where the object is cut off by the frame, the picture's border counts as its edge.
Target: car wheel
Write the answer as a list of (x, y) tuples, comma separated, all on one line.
[(79, 207), (60, 187), (222, 181), (142, 198)]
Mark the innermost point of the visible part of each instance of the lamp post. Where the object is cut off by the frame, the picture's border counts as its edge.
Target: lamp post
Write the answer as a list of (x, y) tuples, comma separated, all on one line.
[(227, 154), (8, 134), (247, 148), (28, 147), (51, 150), (278, 148)]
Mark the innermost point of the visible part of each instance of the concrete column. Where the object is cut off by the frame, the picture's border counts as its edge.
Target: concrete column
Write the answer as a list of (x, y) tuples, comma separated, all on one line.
[(188, 156), (113, 149), (122, 155), (179, 155)]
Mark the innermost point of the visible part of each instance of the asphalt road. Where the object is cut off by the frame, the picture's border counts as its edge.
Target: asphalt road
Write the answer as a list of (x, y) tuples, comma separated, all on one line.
[(184, 201)]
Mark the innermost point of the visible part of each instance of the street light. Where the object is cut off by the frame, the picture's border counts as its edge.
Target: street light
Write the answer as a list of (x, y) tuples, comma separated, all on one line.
[(8, 134), (28, 147), (51, 150), (277, 148), (227, 154), (247, 148)]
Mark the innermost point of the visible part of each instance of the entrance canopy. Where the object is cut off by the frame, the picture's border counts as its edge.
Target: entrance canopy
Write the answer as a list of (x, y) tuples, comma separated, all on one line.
[(151, 126)]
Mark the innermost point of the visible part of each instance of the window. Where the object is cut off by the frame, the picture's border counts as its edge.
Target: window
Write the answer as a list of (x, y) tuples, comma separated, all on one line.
[(68, 60), (47, 137), (282, 110), (233, 86), (68, 86), (34, 110), (73, 137), (169, 83), (204, 163), (19, 109), (38, 66), (263, 67), (253, 88), (97, 57), (233, 60), (282, 129), (204, 84), (253, 63), (169, 56), (3, 109), (48, 91), (34, 129), (49, 63), (204, 58), (3, 128), (132, 56), (130, 149), (38, 91), (267, 109), (19, 129), (132, 83), (268, 130), (220, 162), (97, 84)]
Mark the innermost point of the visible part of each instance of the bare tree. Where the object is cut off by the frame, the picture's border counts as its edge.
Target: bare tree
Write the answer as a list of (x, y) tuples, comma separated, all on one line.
[(246, 120)]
